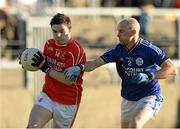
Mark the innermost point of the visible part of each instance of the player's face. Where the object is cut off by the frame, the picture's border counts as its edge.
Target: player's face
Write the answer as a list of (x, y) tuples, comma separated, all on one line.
[(124, 34), (61, 33)]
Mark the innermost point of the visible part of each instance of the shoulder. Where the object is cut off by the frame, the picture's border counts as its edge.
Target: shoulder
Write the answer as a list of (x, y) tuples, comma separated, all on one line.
[(114, 47), (145, 42), (50, 41), (75, 44), (76, 50), (149, 45), (49, 44), (75, 47)]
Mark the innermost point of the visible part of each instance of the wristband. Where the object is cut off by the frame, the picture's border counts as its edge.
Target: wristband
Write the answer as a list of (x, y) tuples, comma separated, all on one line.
[(150, 75), (81, 66), (47, 70)]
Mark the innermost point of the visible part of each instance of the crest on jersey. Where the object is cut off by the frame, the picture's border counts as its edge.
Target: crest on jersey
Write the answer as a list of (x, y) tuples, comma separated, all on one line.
[(139, 61)]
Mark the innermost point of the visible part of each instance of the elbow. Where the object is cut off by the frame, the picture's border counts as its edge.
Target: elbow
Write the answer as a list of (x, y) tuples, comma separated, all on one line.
[(174, 71)]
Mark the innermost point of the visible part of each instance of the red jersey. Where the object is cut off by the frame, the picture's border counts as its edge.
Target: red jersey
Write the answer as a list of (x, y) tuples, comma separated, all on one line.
[(60, 58)]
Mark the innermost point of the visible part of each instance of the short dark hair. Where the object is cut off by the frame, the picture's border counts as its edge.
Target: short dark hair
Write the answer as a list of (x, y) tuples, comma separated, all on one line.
[(61, 18)]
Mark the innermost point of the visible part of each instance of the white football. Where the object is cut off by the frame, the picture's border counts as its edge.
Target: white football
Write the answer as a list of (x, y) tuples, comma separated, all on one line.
[(26, 59)]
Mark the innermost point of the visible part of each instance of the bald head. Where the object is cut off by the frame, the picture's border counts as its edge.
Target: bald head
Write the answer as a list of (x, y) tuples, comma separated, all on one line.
[(131, 23), (128, 32)]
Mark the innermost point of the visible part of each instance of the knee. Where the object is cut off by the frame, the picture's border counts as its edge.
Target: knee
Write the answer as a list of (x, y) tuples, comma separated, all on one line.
[(135, 123)]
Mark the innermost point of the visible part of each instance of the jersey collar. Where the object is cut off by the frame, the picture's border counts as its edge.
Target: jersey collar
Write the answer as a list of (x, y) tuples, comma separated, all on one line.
[(64, 45), (133, 47)]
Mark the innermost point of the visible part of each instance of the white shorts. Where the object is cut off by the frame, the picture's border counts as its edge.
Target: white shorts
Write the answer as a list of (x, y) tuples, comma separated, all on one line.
[(63, 115), (129, 108)]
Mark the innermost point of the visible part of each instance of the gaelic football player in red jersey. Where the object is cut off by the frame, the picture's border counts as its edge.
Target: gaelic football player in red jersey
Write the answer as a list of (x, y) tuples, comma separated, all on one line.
[(59, 99)]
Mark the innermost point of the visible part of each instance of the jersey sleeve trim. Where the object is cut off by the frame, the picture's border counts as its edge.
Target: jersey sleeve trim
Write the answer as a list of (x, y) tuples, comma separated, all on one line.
[(103, 58), (81, 53), (163, 60), (73, 60), (80, 60), (78, 56)]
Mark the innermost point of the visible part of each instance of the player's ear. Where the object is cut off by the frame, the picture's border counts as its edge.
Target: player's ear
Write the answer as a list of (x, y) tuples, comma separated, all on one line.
[(69, 32), (70, 28), (133, 31)]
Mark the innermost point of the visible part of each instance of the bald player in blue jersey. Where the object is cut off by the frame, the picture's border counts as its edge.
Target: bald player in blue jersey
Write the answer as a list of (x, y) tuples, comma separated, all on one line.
[(139, 64)]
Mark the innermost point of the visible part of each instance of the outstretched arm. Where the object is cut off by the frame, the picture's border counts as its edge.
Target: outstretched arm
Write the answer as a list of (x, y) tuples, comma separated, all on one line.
[(91, 65), (73, 72)]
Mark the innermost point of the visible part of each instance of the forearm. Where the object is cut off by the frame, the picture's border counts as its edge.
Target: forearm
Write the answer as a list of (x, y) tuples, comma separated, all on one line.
[(165, 73), (59, 76), (91, 65), (168, 69)]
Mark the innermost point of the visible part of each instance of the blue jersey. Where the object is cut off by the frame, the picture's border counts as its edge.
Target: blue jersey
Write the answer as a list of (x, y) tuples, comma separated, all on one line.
[(142, 57)]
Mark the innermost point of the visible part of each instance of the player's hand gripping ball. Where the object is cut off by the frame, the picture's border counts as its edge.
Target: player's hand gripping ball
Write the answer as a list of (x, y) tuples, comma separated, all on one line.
[(26, 59)]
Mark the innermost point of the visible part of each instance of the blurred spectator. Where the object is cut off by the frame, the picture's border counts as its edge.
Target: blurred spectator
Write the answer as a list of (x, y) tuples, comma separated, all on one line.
[(7, 31), (146, 7), (12, 31), (3, 19), (19, 41)]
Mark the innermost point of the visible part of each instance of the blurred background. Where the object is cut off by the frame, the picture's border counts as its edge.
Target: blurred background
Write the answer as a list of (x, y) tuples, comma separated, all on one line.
[(25, 23)]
